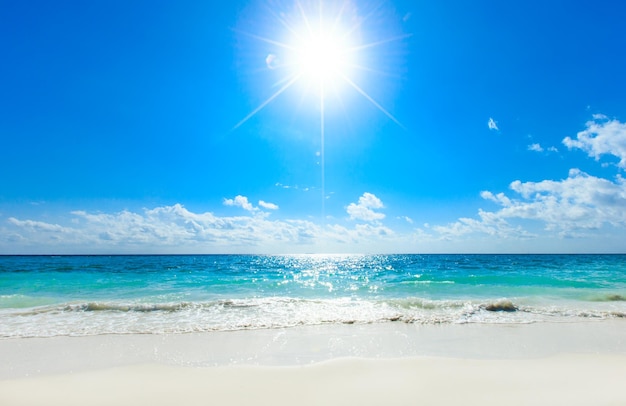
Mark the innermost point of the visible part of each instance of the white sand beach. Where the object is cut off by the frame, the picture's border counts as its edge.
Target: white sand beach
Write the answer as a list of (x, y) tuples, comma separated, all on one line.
[(392, 364)]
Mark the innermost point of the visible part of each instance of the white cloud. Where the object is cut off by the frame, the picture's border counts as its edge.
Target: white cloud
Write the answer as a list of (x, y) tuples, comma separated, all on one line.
[(240, 201), (580, 206), (175, 229), (162, 229), (492, 124), (580, 202), (488, 223), (269, 206), (601, 137), (500, 198), (38, 226), (363, 210)]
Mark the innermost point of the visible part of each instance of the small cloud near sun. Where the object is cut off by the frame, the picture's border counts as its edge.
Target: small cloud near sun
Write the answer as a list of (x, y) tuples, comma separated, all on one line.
[(492, 124)]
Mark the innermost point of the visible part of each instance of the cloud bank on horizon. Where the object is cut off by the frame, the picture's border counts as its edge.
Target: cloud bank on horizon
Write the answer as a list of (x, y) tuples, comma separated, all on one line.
[(532, 217)]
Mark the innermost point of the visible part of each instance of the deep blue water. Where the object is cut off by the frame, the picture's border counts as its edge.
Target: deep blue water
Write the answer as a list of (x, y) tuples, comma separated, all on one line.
[(82, 295)]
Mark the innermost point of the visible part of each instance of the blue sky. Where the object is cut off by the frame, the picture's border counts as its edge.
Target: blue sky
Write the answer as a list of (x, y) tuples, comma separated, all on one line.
[(452, 126)]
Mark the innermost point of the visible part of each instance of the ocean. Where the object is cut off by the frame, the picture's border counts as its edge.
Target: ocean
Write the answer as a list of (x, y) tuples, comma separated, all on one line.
[(44, 296)]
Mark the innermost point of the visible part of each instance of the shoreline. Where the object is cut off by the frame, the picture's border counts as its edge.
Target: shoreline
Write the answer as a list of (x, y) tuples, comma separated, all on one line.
[(392, 363)]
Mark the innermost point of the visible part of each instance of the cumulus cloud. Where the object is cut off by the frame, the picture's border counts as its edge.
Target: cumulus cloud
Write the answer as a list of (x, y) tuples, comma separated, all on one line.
[(244, 203), (364, 209), (492, 124), (578, 203), (573, 206), (167, 227), (601, 137), (175, 229), (240, 201)]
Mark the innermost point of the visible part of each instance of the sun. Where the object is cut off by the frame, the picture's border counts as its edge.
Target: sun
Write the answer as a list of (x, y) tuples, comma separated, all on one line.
[(321, 59), (317, 44), (321, 54)]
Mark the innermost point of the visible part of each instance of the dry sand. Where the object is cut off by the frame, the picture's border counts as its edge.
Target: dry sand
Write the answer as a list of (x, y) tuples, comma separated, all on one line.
[(388, 364)]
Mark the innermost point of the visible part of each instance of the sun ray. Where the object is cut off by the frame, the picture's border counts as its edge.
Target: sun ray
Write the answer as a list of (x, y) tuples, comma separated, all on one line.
[(266, 102), (376, 71), (304, 18), (268, 40), (322, 135), (371, 100), (381, 42)]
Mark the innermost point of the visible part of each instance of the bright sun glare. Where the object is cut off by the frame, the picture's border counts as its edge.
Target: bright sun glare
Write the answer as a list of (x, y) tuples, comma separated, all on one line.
[(322, 56), (319, 48)]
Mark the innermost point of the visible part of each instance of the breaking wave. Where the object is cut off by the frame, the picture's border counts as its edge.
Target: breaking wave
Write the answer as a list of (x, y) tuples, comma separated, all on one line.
[(94, 318)]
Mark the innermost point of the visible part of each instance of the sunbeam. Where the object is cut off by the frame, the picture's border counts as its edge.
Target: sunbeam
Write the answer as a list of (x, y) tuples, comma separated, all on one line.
[(320, 48), (267, 101)]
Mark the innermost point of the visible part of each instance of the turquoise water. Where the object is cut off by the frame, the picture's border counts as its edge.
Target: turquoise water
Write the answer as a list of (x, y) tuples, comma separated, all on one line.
[(84, 295)]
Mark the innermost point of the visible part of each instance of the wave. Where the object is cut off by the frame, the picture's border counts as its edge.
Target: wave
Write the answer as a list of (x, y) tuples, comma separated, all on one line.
[(103, 307), (92, 318)]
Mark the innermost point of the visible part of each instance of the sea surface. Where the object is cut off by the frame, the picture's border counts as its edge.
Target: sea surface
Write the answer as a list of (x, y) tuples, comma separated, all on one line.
[(43, 296)]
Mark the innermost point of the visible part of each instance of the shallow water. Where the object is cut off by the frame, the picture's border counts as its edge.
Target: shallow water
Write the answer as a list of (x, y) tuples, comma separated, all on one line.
[(87, 295)]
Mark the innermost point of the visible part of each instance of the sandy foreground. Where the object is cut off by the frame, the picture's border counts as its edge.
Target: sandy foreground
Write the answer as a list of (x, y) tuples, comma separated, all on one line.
[(385, 364)]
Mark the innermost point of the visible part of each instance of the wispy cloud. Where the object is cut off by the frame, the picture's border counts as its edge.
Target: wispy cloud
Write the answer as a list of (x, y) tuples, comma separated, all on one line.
[(492, 124), (536, 147), (601, 137), (268, 206), (296, 187), (364, 209)]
